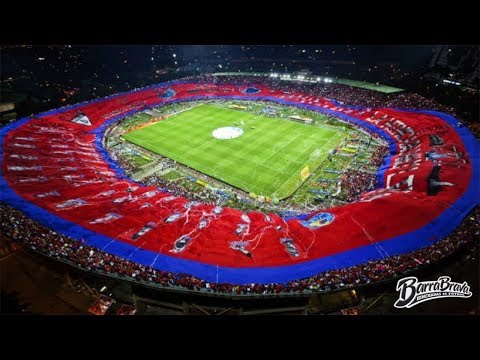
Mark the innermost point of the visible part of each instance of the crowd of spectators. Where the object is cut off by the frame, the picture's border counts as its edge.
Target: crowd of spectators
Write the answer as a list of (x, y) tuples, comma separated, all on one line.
[(355, 183), (192, 191), (119, 154), (345, 94), (182, 187), (22, 230), (378, 155), (19, 228)]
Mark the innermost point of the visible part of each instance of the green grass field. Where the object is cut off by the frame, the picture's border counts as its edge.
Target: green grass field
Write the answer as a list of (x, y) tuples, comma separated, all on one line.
[(266, 159)]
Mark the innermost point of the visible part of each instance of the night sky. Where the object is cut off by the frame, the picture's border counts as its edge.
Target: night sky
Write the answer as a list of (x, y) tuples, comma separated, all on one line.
[(57, 74), (120, 58), (407, 57)]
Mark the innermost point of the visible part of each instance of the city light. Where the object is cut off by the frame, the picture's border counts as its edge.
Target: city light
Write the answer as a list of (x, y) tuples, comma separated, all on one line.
[(445, 81)]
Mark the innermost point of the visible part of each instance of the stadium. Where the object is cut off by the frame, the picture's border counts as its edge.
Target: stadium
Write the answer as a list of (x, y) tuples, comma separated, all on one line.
[(232, 185)]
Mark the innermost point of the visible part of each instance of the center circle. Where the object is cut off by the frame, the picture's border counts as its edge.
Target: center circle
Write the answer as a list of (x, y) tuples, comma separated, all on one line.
[(227, 133)]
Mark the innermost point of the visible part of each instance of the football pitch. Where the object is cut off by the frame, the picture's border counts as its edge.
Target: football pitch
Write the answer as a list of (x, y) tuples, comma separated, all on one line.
[(267, 159)]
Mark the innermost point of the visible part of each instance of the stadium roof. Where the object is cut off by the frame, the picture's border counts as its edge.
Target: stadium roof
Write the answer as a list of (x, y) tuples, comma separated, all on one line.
[(369, 86), (355, 83)]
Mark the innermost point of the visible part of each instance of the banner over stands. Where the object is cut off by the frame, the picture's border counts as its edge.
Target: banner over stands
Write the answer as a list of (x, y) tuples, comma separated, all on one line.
[(54, 168)]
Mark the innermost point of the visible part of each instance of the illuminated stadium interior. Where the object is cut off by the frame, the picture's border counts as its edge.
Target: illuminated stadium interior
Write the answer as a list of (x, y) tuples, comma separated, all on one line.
[(243, 183)]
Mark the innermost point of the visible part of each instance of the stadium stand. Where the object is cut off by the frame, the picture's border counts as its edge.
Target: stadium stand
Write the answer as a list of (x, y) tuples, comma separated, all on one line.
[(80, 203)]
